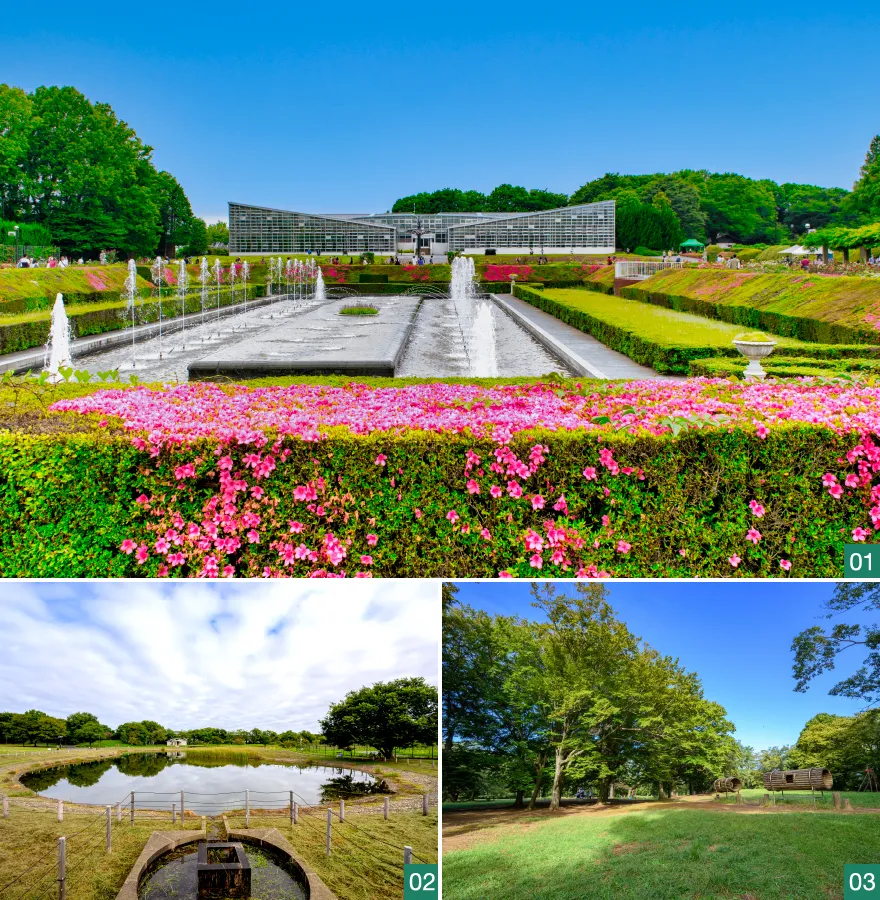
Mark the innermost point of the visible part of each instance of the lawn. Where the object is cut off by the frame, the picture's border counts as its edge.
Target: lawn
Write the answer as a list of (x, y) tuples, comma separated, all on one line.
[(833, 309), (367, 852), (861, 799), (665, 855)]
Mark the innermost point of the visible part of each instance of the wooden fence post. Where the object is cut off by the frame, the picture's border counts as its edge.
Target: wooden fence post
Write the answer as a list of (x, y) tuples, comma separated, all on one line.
[(386, 809), (62, 868), (119, 812), (182, 822), (292, 813), (109, 826), (329, 827), (424, 804), (132, 807), (173, 813), (247, 809), (847, 806), (407, 856), (5, 807), (837, 799), (341, 810), (60, 810)]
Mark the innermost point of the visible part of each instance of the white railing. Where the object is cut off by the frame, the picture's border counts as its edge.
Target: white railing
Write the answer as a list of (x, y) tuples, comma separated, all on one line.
[(643, 268)]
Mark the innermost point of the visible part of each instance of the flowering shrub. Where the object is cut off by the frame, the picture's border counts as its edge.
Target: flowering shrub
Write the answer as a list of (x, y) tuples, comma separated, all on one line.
[(648, 478), (95, 280), (495, 272)]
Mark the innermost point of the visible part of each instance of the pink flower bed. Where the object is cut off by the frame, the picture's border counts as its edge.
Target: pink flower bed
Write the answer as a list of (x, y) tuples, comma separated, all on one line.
[(239, 439)]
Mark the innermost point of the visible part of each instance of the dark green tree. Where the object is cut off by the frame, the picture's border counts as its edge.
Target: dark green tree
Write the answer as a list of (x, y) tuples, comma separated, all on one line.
[(386, 715)]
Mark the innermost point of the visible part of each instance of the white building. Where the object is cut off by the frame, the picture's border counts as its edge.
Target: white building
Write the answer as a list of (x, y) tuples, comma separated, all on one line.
[(176, 742)]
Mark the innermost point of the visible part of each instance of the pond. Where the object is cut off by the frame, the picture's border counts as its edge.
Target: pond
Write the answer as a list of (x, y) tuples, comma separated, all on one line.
[(174, 876), (212, 782)]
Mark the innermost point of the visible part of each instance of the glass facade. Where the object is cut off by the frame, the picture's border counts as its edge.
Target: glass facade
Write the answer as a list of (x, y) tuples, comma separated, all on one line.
[(585, 228)]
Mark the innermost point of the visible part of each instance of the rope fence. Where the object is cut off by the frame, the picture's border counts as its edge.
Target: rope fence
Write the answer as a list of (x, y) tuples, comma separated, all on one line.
[(74, 853)]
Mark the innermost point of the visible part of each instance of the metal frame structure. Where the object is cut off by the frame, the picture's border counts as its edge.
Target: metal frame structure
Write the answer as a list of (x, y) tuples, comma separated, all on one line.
[(585, 228)]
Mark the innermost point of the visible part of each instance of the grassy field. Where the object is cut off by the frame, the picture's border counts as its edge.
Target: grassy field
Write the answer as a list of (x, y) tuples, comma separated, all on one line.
[(664, 855), (860, 799), (815, 307), (367, 852), (362, 867)]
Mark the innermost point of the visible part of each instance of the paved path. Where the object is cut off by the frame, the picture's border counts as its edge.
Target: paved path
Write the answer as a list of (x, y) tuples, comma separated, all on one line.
[(584, 351)]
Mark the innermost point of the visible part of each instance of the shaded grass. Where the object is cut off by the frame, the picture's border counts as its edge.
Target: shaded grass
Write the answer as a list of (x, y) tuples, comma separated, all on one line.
[(367, 852), (666, 855), (860, 799)]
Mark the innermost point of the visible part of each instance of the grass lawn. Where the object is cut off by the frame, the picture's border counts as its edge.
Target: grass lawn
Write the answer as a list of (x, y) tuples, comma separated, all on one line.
[(367, 852), (654, 323), (861, 799), (666, 854)]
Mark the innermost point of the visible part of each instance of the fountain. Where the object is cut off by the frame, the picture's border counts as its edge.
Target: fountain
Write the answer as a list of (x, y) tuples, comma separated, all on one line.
[(59, 340), (475, 319), (245, 271), (204, 277), (157, 272), (270, 276), (218, 279), (182, 284), (320, 290), (132, 291)]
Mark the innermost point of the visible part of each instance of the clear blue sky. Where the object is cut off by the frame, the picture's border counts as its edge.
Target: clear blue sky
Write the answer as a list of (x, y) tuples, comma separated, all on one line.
[(347, 107), (749, 672)]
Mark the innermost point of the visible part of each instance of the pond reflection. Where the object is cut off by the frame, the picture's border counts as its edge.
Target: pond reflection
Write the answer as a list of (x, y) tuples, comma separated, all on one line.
[(211, 781)]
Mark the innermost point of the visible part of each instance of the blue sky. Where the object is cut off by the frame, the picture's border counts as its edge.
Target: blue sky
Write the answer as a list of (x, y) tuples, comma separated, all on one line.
[(749, 673), (348, 107), (252, 654)]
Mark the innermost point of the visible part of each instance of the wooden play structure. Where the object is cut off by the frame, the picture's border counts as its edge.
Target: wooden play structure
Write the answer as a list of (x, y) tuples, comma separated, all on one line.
[(813, 779), (727, 786)]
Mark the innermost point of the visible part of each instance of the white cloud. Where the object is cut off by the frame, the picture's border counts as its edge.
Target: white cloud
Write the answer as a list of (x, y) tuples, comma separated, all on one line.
[(213, 218), (240, 655)]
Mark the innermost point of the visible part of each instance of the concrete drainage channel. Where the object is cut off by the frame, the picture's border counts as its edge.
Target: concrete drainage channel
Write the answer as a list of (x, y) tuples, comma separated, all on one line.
[(163, 843)]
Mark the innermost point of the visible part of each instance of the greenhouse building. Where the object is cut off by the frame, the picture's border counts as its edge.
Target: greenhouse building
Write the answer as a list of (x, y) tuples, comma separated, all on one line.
[(586, 228)]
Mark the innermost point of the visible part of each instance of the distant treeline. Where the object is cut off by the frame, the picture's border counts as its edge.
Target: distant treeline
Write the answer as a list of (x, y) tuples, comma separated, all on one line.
[(707, 205), (36, 727)]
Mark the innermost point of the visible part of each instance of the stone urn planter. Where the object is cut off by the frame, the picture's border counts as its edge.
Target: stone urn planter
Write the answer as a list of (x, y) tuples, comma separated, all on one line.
[(754, 348)]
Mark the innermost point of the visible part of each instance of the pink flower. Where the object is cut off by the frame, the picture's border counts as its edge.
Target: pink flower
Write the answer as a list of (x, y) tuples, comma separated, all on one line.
[(228, 571), (504, 574), (253, 537), (859, 534), (762, 430), (142, 554), (128, 546), (561, 505), (486, 535), (836, 491), (372, 539), (296, 527), (417, 513), (466, 528), (623, 547), (495, 491), (590, 473), (533, 540), (753, 535), (682, 552), (381, 459), (473, 487), (162, 546), (828, 480), (537, 502), (176, 559), (852, 481), (366, 560), (734, 560), (536, 562), (756, 508), (785, 564), (453, 516), (513, 489)]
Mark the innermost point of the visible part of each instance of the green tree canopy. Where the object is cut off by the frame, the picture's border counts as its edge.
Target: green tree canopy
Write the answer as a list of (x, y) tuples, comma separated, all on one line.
[(386, 715)]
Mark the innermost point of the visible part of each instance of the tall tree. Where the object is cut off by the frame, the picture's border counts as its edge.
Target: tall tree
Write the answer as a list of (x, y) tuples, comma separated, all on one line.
[(816, 649), (15, 132), (866, 191)]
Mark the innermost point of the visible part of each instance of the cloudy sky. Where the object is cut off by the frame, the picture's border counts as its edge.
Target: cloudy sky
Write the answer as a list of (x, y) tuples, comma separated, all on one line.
[(266, 655)]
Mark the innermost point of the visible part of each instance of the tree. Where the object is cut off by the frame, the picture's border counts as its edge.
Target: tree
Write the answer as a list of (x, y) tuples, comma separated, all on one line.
[(15, 128), (865, 198), (217, 234), (387, 715), (175, 214), (84, 728), (816, 649)]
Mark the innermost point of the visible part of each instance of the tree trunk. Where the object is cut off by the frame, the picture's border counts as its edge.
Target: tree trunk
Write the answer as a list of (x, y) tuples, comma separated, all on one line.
[(606, 785), (387, 752), (542, 759), (611, 791), (845, 252), (556, 794), (825, 254), (518, 803)]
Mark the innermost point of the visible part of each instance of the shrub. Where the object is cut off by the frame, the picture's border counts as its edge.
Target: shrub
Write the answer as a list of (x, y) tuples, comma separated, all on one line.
[(644, 251), (633, 480), (358, 311)]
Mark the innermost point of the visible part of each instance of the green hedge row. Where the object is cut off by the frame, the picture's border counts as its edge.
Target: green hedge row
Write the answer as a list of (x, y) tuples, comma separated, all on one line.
[(671, 358), (786, 366), (67, 501), (28, 334), (829, 307)]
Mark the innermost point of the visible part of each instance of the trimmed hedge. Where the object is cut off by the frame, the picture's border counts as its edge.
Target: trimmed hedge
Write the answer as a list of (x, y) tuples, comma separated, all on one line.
[(67, 501), (27, 334), (786, 366), (829, 310), (672, 357)]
